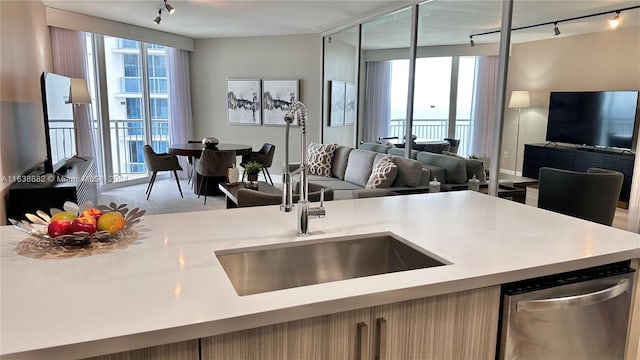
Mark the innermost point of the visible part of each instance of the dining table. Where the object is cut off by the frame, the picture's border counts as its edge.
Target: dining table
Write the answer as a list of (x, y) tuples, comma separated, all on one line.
[(192, 150)]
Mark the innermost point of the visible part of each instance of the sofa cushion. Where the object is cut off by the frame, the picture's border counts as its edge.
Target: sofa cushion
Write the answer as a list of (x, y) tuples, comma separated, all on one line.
[(455, 169), (400, 152), (319, 157), (436, 173), (340, 159), (381, 148), (409, 171), (383, 174), (359, 166), (335, 184)]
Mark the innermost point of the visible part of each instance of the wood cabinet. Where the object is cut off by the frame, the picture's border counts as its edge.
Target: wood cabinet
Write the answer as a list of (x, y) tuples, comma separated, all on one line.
[(462, 325), (570, 158), (185, 350)]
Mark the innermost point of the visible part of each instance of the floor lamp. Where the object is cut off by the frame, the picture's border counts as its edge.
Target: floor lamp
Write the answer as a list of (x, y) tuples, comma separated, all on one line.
[(519, 100)]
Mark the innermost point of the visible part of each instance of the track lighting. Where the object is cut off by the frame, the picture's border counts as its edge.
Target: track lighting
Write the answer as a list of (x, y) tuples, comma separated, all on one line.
[(170, 9), (615, 21), (163, 7)]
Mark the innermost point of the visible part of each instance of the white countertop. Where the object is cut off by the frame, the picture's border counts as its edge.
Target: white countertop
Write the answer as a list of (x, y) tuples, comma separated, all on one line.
[(168, 285)]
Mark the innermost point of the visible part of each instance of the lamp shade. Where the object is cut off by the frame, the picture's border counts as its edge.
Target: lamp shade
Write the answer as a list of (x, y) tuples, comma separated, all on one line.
[(519, 99), (79, 92)]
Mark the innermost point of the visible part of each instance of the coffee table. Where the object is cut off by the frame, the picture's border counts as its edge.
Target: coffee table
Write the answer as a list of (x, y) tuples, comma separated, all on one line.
[(231, 191)]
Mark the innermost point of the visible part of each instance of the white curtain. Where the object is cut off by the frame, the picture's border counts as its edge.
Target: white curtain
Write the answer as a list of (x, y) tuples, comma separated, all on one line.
[(377, 103), (180, 119), (69, 52), (483, 113), (633, 221)]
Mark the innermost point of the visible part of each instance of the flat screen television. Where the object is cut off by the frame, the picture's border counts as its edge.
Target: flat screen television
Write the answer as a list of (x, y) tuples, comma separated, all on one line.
[(59, 127), (593, 118)]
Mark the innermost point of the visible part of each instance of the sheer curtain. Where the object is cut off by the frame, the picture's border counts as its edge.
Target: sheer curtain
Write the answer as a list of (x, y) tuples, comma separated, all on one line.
[(181, 119), (483, 111), (69, 52), (377, 104)]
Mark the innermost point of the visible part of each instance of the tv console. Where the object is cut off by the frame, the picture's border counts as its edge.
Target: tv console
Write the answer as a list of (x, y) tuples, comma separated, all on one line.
[(575, 159), (39, 191)]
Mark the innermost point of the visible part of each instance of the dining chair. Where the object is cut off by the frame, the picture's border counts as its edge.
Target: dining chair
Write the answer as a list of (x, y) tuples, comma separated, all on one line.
[(160, 162), (213, 163), (453, 145), (591, 195), (264, 156)]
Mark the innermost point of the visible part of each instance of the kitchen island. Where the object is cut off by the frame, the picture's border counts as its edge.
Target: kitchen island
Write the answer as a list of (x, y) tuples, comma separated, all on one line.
[(168, 286)]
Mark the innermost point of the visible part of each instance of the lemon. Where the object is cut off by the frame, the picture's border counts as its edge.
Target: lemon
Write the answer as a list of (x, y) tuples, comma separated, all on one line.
[(111, 222), (64, 215)]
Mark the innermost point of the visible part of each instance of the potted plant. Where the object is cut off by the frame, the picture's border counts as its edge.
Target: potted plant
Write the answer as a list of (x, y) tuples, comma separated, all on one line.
[(252, 169)]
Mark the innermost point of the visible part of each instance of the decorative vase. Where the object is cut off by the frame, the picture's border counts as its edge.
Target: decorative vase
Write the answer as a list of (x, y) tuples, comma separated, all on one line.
[(233, 174), (252, 177)]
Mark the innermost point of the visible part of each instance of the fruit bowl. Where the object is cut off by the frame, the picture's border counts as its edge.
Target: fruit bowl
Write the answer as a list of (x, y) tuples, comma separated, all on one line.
[(37, 225)]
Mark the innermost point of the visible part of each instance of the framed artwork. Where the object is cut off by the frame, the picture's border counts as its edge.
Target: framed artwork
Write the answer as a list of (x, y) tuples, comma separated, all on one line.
[(336, 113), (243, 102), (277, 96), (350, 104)]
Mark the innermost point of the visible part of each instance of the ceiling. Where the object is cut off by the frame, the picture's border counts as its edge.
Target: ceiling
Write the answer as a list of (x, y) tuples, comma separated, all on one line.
[(441, 21)]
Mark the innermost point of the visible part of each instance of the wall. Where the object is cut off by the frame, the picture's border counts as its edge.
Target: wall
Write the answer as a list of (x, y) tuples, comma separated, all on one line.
[(25, 52), (608, 60), (340, 63), (273, 57)]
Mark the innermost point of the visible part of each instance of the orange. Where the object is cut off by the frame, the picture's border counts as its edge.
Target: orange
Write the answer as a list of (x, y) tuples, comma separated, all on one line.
[(111, 222), (63, 215)]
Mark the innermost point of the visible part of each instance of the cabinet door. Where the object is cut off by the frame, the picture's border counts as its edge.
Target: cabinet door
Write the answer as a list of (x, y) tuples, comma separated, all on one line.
[(186, 350), (335, 336), (462, 325)]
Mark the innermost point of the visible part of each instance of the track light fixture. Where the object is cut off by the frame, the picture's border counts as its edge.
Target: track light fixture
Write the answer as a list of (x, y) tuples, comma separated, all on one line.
[(615, 21), (471, 42), (612, 22), (163, 7)]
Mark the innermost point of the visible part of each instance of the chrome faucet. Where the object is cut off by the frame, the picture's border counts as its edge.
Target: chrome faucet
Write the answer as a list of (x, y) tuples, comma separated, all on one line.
[(304, 211)]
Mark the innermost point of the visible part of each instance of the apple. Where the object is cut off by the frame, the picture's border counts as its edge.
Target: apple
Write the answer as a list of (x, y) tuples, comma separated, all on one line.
[(83, 223), (58, 227), (92, 212)]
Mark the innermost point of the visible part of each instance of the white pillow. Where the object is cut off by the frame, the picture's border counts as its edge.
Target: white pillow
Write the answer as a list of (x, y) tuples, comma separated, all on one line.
[(319, 158), (383, 174)]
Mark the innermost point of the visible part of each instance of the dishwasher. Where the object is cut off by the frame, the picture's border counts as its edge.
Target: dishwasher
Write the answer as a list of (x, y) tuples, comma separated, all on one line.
[(576, 315)]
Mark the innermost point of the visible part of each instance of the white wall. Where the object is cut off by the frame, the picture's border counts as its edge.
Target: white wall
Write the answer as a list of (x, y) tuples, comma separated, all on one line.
[(25, 52), (268, 58), (608, 60)]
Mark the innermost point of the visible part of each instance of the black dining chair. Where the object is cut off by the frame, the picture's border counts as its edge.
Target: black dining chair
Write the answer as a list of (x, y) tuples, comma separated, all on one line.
[(213, 163), (264, 156), (160, 162), (453, 145)]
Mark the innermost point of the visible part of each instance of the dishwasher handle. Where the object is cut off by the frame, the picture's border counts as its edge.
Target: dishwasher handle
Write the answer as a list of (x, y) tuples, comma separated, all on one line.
[(575, 300)]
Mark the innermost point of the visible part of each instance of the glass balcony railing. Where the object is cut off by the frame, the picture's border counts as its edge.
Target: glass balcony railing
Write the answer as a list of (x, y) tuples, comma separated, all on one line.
[(434, 129), (127, 140)]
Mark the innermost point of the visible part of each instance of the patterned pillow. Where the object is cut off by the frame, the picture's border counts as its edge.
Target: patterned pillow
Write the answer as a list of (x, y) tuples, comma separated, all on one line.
[(383, 174), (319, 157)]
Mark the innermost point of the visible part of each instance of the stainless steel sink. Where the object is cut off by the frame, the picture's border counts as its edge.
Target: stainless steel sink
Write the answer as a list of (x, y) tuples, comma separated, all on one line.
[(276, 267)]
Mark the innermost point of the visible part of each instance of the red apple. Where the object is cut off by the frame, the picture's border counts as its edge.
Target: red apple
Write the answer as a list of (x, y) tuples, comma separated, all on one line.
[(84, 223), (58, 227), (92, 212)]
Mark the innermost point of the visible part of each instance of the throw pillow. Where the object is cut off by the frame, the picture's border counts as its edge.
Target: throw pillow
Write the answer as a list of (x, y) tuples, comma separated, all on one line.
[(383, 174), (319, 157)]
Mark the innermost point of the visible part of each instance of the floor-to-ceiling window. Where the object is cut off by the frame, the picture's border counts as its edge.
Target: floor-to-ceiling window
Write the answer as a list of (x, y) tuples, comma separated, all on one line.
[(137, 99), (433, 98)]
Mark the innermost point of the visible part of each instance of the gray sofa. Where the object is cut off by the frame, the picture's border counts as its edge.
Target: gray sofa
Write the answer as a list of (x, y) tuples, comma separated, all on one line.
[(448, 168), (351, 168)]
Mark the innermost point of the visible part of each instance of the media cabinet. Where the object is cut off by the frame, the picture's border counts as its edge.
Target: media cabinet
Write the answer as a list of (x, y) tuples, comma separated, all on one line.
[(37, 191), (572, 158)]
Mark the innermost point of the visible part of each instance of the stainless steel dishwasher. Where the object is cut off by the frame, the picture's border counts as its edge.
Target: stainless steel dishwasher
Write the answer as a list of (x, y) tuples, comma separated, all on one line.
[(576, 315)]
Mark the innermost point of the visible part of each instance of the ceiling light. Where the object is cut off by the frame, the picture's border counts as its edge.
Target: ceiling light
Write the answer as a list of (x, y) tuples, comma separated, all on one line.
[(158, 18), (556, 31), (471, 42), (170, 9), (615, 21)]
